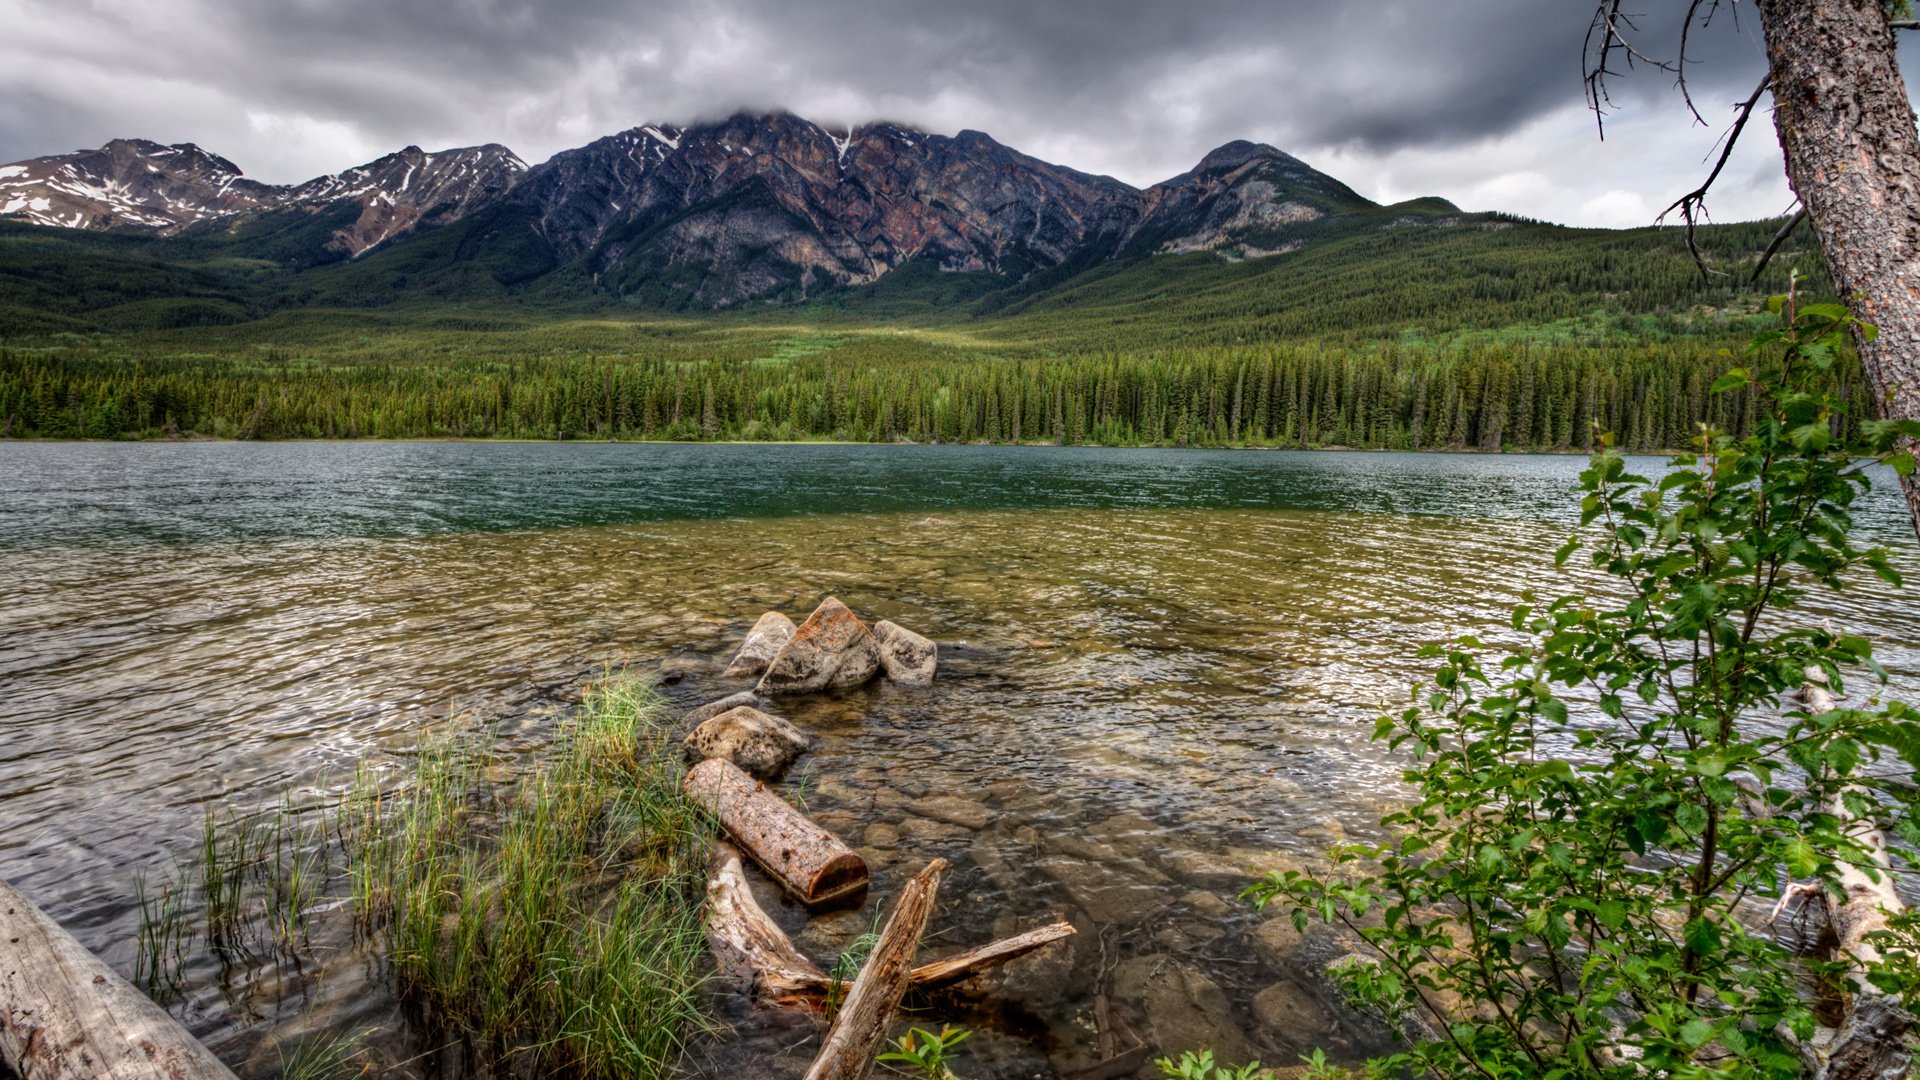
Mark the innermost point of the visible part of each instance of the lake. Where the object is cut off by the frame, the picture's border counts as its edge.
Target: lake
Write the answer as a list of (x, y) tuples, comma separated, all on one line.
[(1160, 669)]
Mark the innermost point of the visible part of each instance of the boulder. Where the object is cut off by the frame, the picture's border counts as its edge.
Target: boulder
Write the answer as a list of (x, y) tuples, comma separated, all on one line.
[(907, 658), (760, 743), (695, 717), (832, 650), (763, 643)]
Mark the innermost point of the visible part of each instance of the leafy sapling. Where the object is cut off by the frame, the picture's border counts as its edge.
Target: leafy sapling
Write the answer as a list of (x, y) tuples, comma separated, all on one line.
[(1603, 819), (925, 1052)]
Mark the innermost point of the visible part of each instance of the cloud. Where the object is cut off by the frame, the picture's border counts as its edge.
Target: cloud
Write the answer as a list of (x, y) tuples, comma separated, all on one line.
[(1477, 100)]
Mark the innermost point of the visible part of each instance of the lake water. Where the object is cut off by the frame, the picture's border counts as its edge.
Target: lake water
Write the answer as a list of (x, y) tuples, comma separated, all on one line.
[(1159, 671)]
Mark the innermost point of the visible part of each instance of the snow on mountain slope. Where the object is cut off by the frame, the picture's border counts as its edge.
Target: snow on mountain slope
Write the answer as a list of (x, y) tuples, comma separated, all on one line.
[(134, 182)]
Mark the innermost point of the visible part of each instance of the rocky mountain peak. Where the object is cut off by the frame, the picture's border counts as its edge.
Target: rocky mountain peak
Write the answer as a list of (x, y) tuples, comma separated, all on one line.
[(751, 206), (1229, 156)]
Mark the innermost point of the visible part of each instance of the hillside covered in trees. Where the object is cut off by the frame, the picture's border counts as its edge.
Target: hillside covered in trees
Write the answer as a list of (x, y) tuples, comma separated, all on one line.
[(1520, 336)]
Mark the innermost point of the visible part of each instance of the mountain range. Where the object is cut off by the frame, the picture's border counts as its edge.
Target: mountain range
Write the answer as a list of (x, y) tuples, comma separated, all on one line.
[(755, 207)]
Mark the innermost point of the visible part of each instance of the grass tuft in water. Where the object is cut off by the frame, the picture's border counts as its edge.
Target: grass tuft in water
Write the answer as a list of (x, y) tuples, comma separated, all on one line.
[(551, 921), (164, 937), (326, 1057)]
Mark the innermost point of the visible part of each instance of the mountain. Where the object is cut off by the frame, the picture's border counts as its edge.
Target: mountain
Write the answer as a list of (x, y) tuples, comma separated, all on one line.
[(173, 189), (757, 206), (754, 207)]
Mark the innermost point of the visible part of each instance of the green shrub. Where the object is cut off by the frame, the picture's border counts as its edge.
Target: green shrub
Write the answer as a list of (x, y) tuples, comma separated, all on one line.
[(1603, 817)]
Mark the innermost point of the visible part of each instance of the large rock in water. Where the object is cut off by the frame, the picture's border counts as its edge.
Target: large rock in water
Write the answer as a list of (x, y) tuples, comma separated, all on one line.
[(832, 650), (908, 658), (764, 642), (760, 743)]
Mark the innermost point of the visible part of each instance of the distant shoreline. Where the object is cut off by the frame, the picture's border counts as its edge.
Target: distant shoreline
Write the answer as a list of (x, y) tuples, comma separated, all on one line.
[(199, 439)]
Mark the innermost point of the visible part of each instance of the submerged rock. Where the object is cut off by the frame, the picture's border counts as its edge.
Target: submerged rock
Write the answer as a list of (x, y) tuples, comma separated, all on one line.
[(1278, 943), (695, 717), (907, 658), (832, 650), (760, 743), (952, 809), (929, 830), (1293, 1017), (1184, 1010), (675, 668), (764, 642)]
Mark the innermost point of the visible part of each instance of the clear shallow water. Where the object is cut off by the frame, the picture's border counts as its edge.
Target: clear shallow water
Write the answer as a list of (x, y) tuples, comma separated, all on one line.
[(1159, 669)]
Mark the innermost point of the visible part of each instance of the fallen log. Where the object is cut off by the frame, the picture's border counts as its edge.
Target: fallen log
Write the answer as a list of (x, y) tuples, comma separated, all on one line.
[(1872, 1041), (753, 946), (808, 861), (65, 1015), (857, 1032)]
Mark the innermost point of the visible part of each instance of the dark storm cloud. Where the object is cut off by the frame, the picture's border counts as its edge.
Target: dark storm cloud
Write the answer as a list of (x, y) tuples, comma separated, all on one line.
[(1478, 100)]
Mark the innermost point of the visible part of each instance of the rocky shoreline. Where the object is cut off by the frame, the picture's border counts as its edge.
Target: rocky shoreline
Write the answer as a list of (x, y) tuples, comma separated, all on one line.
[(1177, 909)]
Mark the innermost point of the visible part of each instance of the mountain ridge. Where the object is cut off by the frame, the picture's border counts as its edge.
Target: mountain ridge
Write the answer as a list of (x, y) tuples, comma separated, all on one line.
[(755, 207), (173, 188)]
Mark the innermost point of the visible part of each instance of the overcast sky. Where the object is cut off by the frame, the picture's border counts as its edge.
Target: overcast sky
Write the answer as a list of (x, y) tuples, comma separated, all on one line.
[(1475, 100)]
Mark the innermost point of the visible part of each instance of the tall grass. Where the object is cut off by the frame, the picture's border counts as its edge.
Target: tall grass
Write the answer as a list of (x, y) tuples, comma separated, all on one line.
[(164, 937), (551, 922)]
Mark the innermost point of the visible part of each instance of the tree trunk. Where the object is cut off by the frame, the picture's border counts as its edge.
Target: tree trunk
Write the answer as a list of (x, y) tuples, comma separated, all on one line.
[(1841, 110)]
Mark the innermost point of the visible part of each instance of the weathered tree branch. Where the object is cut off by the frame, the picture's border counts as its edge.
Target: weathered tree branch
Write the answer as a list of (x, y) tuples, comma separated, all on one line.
[(861, 1026), (1872, 1042), (1778, 239), (1693, 204), (752, 946)]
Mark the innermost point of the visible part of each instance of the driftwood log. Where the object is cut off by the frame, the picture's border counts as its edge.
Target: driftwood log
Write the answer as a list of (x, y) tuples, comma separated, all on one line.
[(751, 945), (861, 1026), (1873, 1040), (807, 860), (65, 1015)]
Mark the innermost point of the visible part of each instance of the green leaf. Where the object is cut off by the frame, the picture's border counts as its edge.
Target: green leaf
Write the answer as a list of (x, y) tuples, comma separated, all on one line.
[(1554, 710), (1811, 437), (1734, 378), (1702, 937), (1800, 857)]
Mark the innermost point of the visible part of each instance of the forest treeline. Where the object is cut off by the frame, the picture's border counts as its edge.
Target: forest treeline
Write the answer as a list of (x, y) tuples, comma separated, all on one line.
[(1483, 397)]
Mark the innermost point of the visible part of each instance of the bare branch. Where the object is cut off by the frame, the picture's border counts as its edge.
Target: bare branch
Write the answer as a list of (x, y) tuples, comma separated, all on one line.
[(1778, 239), (1693, 204), (1607, 38), (1680, 65)]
